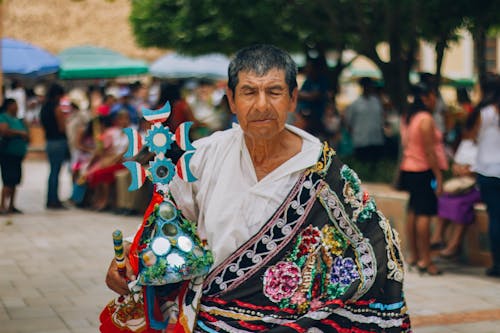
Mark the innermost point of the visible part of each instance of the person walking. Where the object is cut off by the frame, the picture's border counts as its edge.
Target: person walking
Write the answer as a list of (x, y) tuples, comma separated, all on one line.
[(313, 96), (54, 124), (421, 169), (456, 204), (13, 148), (486, 120), (365, 121)]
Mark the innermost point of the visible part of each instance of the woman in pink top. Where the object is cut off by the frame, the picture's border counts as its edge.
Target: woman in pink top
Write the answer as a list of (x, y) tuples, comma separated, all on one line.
[(421, 174)]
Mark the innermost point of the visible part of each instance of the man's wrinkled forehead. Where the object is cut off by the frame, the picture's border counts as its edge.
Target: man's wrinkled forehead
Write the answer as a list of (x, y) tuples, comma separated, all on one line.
[(273, 74)]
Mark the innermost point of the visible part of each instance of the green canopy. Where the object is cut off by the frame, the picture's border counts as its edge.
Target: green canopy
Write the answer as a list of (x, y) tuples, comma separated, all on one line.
[(91, 62)]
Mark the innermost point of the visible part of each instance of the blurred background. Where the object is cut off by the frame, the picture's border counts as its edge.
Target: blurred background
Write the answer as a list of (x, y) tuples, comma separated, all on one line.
[(107, 59), (99, 46)]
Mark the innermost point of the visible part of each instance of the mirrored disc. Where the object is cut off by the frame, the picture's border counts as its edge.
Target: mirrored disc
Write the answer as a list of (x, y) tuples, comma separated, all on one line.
[(160, 246), (174, 259), (184, 243), (159, 139), (169, 229), (148, 258), (167, 211), (197, 251), (162, 171)]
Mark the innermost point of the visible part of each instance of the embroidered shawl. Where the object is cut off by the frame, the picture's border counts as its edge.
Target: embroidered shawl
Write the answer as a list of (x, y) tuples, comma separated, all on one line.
[(326, 261)]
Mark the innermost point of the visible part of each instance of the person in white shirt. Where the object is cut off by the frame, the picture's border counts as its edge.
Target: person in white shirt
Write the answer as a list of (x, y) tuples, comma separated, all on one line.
[(365, 121), (296, 242), (487, 166), (17, 93), (456, 203)]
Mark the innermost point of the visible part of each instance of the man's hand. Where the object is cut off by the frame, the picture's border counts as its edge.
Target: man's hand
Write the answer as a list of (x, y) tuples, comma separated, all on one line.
[(114, 280)]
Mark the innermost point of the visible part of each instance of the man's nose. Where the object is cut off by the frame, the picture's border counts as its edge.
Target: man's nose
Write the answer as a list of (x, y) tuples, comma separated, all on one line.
[(261, 103)]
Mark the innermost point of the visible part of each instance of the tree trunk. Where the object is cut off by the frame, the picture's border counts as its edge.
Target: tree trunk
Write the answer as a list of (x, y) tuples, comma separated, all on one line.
[(479, 36), (440, 47)]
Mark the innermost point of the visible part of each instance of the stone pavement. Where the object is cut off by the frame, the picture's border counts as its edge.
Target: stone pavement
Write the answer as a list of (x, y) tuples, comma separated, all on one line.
[(52, 267)]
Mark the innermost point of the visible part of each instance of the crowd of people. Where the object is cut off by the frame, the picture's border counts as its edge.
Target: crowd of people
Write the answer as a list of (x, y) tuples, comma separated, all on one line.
[(447, 161), (438, 141), (475, 169), (256, 174), (83, 127)]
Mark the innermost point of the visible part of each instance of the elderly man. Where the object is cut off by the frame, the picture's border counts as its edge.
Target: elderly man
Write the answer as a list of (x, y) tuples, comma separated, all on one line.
[(298, 246)]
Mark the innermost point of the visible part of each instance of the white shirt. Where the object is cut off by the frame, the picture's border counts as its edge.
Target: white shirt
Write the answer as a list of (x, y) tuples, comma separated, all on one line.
[(488, 142), (227, 201), (20, 96), (466, 153), (365, 117)]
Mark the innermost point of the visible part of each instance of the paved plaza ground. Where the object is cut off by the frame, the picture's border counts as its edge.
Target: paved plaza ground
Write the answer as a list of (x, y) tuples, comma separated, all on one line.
[(52, 267)]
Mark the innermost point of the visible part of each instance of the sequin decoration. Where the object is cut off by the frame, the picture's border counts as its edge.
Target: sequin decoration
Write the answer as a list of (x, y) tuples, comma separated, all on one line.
[(343, 271), (314, 271), (281, 280), (363, 205)]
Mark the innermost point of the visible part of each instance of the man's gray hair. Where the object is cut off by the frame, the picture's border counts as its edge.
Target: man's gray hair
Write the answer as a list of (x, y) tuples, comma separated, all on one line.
[(260, 59)]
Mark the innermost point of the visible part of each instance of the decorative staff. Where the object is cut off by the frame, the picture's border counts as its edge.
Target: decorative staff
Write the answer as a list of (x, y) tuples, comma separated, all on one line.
[(167, 249), (119, 253)]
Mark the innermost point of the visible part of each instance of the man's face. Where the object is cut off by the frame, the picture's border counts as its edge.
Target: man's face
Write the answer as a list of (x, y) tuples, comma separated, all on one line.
[(262, 103)]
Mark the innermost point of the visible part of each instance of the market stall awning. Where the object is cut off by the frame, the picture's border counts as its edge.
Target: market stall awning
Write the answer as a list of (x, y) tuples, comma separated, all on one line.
[(91, 62), (176, 66), (21, 58)]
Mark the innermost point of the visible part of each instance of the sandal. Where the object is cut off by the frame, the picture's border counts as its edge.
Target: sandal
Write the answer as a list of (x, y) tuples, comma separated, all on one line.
[(431, 269), (438, 246), (450, 256), (14, 210), (411, 264)]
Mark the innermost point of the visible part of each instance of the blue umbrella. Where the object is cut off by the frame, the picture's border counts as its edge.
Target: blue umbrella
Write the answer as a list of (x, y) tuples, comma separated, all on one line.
[(21, 58), (174, 65)]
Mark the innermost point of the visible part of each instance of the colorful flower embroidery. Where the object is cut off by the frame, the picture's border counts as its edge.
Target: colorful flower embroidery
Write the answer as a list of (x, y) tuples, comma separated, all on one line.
[(332, 240), (311, 237), (316, 304), (314, 271), (298, 298), (360, 201), (344, 271), (351, 178), (281, 281)]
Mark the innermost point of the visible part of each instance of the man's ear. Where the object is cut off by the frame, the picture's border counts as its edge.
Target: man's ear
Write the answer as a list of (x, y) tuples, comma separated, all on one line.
[(230, 99)]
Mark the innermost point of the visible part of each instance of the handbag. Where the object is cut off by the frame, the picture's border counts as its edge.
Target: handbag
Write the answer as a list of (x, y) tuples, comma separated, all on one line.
[(79, 191), (459, 185)]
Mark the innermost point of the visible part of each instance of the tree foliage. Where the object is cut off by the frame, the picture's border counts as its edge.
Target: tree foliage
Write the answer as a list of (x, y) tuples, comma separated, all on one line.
[(195, 27)]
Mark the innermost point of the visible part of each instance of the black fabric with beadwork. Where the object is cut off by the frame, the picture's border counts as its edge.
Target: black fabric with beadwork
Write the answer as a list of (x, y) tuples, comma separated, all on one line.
[(327, 261)]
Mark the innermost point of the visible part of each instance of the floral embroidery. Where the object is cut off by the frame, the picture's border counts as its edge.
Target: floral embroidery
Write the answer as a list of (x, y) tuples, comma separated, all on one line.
[(333, 240), (313, 272), (343, 271), (310, 238), (353, 184), (281, 280), (298, 298), (321, 167), (363, 205), (365, 256), (316, 304)]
